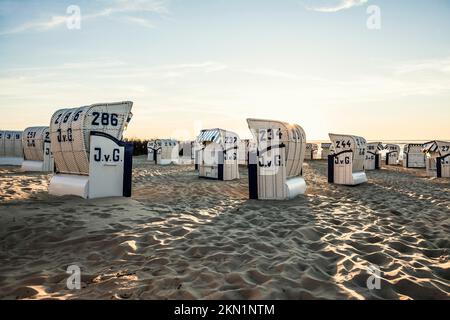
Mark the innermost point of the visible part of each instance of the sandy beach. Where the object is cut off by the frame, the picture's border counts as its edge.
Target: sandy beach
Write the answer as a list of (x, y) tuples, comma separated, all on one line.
[(180, 237)]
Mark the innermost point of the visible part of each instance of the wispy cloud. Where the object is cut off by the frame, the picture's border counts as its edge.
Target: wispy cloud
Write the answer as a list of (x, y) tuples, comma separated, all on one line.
[(113, 69), (273, 73), (430, 65), (142, 22), (53, 22), (333, 5), (110, 9), (430, 78), (207, 66)]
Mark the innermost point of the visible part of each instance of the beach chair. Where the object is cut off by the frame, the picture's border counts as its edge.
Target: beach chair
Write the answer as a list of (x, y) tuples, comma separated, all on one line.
[(217, 157), (326, 150), (163, 151), (311, 151), (276, 162), (152, 151), (438, 158), (373, 156), (11, 149), (346, 164), (91, 161), (413, 156), (392, 155), (185, 154), (37, 150)]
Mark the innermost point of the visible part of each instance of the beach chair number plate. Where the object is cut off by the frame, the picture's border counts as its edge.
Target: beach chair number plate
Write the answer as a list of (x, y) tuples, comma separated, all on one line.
[(31, 142), (230, 140), (343, 144), (106, 119), (269, 133)]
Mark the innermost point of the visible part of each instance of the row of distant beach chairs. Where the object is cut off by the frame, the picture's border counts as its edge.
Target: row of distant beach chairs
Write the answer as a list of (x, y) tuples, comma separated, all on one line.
[(171, 151), (83, 148)]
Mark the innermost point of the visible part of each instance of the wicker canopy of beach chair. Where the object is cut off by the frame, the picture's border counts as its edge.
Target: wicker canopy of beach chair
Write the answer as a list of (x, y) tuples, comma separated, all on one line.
[(326, 150), (37, 150), (438, 158), (276, 164), (217, 157), (311, 151), (413, 156), (373, 156), (91, 161), (11, 149), (346, 164), (393, 154), (163, 151)]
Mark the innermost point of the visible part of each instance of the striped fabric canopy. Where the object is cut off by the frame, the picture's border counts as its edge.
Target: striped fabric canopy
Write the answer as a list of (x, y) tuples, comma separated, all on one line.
[(441, 147), (214, 135), (210, 135)]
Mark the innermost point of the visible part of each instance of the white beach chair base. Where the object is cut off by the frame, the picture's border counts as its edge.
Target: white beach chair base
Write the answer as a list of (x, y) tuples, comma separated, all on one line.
[(66, 184), (295, 186), (11, 161), (359, 178)]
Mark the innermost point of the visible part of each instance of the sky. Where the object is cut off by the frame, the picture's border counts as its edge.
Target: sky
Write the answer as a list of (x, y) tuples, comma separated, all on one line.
[(375, 68)]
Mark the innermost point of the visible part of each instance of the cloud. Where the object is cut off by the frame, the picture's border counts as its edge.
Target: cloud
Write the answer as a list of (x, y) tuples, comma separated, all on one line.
[(334, 5), (430, 65), (111, 9), (140, 22), (113, 69), (51, 23), (208, 66), (206, 82)]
